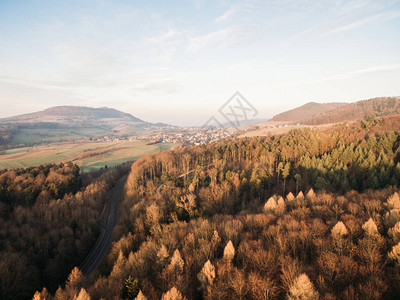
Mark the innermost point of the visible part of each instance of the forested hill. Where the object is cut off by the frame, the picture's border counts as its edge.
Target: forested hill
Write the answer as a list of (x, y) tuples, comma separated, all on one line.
[(49, 221), (326, 113), (24, 186), (65, 123), (305, 112), (355, 111), (71, 115), (230, 220)]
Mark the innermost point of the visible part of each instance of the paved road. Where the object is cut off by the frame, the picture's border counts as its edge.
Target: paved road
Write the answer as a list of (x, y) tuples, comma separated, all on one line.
[(103, 242)]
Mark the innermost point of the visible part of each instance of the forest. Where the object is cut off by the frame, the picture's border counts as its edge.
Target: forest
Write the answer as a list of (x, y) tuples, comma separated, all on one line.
[(6, 133), (383, 106), (312, 214), (25, 186), (49, 220)]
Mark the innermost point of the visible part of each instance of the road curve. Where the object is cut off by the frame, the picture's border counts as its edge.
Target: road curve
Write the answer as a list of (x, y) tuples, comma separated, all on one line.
[(103, 242)]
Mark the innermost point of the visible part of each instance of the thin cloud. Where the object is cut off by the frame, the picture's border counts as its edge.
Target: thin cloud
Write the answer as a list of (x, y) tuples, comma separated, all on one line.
[(225, 16), (198, 4), (166, 37), (360, 72), (341, 76), (31, 83), (346, 20), (383, 68), (217, 38), (161, 86), (383, 16)]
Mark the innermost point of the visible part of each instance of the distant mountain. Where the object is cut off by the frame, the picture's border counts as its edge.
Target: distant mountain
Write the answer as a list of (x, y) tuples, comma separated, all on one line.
[(74, 114), (313, 113), (62, 123), (305, 112), (382, 106)]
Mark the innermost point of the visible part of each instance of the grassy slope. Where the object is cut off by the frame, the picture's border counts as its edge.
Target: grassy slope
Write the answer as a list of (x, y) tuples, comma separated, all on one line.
[(38, 135), (93, 155)]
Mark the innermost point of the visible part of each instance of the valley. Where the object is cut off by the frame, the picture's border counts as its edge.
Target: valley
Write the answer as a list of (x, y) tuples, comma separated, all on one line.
[(88, 155), (200, 150), (183, 211)]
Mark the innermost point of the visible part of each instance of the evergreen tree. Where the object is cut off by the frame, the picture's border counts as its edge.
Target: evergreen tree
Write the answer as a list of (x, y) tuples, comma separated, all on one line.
[(131, 288)]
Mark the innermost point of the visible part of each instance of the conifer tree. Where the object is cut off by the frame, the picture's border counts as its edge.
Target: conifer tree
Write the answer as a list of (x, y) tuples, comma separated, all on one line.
[(303, 289), (207, 274), (177, 262), (172, 294), (370, 228), (290, 197), (300, 196), (339, 230), (311, 194), (140, 296), (229, 252), (83, 295), (162, 255), (131, 288), (270, 205), (394, 232)]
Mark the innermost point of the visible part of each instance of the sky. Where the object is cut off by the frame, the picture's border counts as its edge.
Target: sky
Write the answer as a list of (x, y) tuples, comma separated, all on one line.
[(178, 62)]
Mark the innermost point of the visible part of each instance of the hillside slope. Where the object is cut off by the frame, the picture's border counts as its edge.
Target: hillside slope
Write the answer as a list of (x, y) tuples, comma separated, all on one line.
[(383, 106), (242, 229), (72, 114), (62, 123), (305, 112)]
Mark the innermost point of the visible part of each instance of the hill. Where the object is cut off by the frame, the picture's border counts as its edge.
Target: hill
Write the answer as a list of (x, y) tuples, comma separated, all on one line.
[(230, 220), (383, 106), (63, 123), (305, 112), (71, 116), (313, 113), (74, 114)]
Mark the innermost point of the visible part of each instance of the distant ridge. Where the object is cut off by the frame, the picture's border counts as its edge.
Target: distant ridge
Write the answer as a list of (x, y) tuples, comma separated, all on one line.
[(76, 113), (382, 106), (66, 123), (313, 113), (305, 112)]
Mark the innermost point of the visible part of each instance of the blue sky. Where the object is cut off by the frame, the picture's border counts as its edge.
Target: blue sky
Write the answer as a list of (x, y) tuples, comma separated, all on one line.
[(179, 61)]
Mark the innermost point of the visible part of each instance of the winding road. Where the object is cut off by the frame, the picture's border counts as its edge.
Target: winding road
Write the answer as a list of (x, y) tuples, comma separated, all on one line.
[(103, 242)]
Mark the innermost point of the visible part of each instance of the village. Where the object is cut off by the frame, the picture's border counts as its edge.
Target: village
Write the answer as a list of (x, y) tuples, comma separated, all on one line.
[(186, 135)]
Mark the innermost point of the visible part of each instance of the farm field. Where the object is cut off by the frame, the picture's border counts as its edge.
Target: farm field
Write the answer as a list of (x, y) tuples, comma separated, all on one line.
[(39, 135), (88, 155)]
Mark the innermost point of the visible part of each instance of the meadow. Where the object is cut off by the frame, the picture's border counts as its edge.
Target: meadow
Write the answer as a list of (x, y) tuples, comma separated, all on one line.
[(87, 155), (30, 136)]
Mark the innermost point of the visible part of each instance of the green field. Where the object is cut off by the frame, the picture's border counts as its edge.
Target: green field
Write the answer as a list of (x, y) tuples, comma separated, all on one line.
[(40, 135), (88, 155)]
